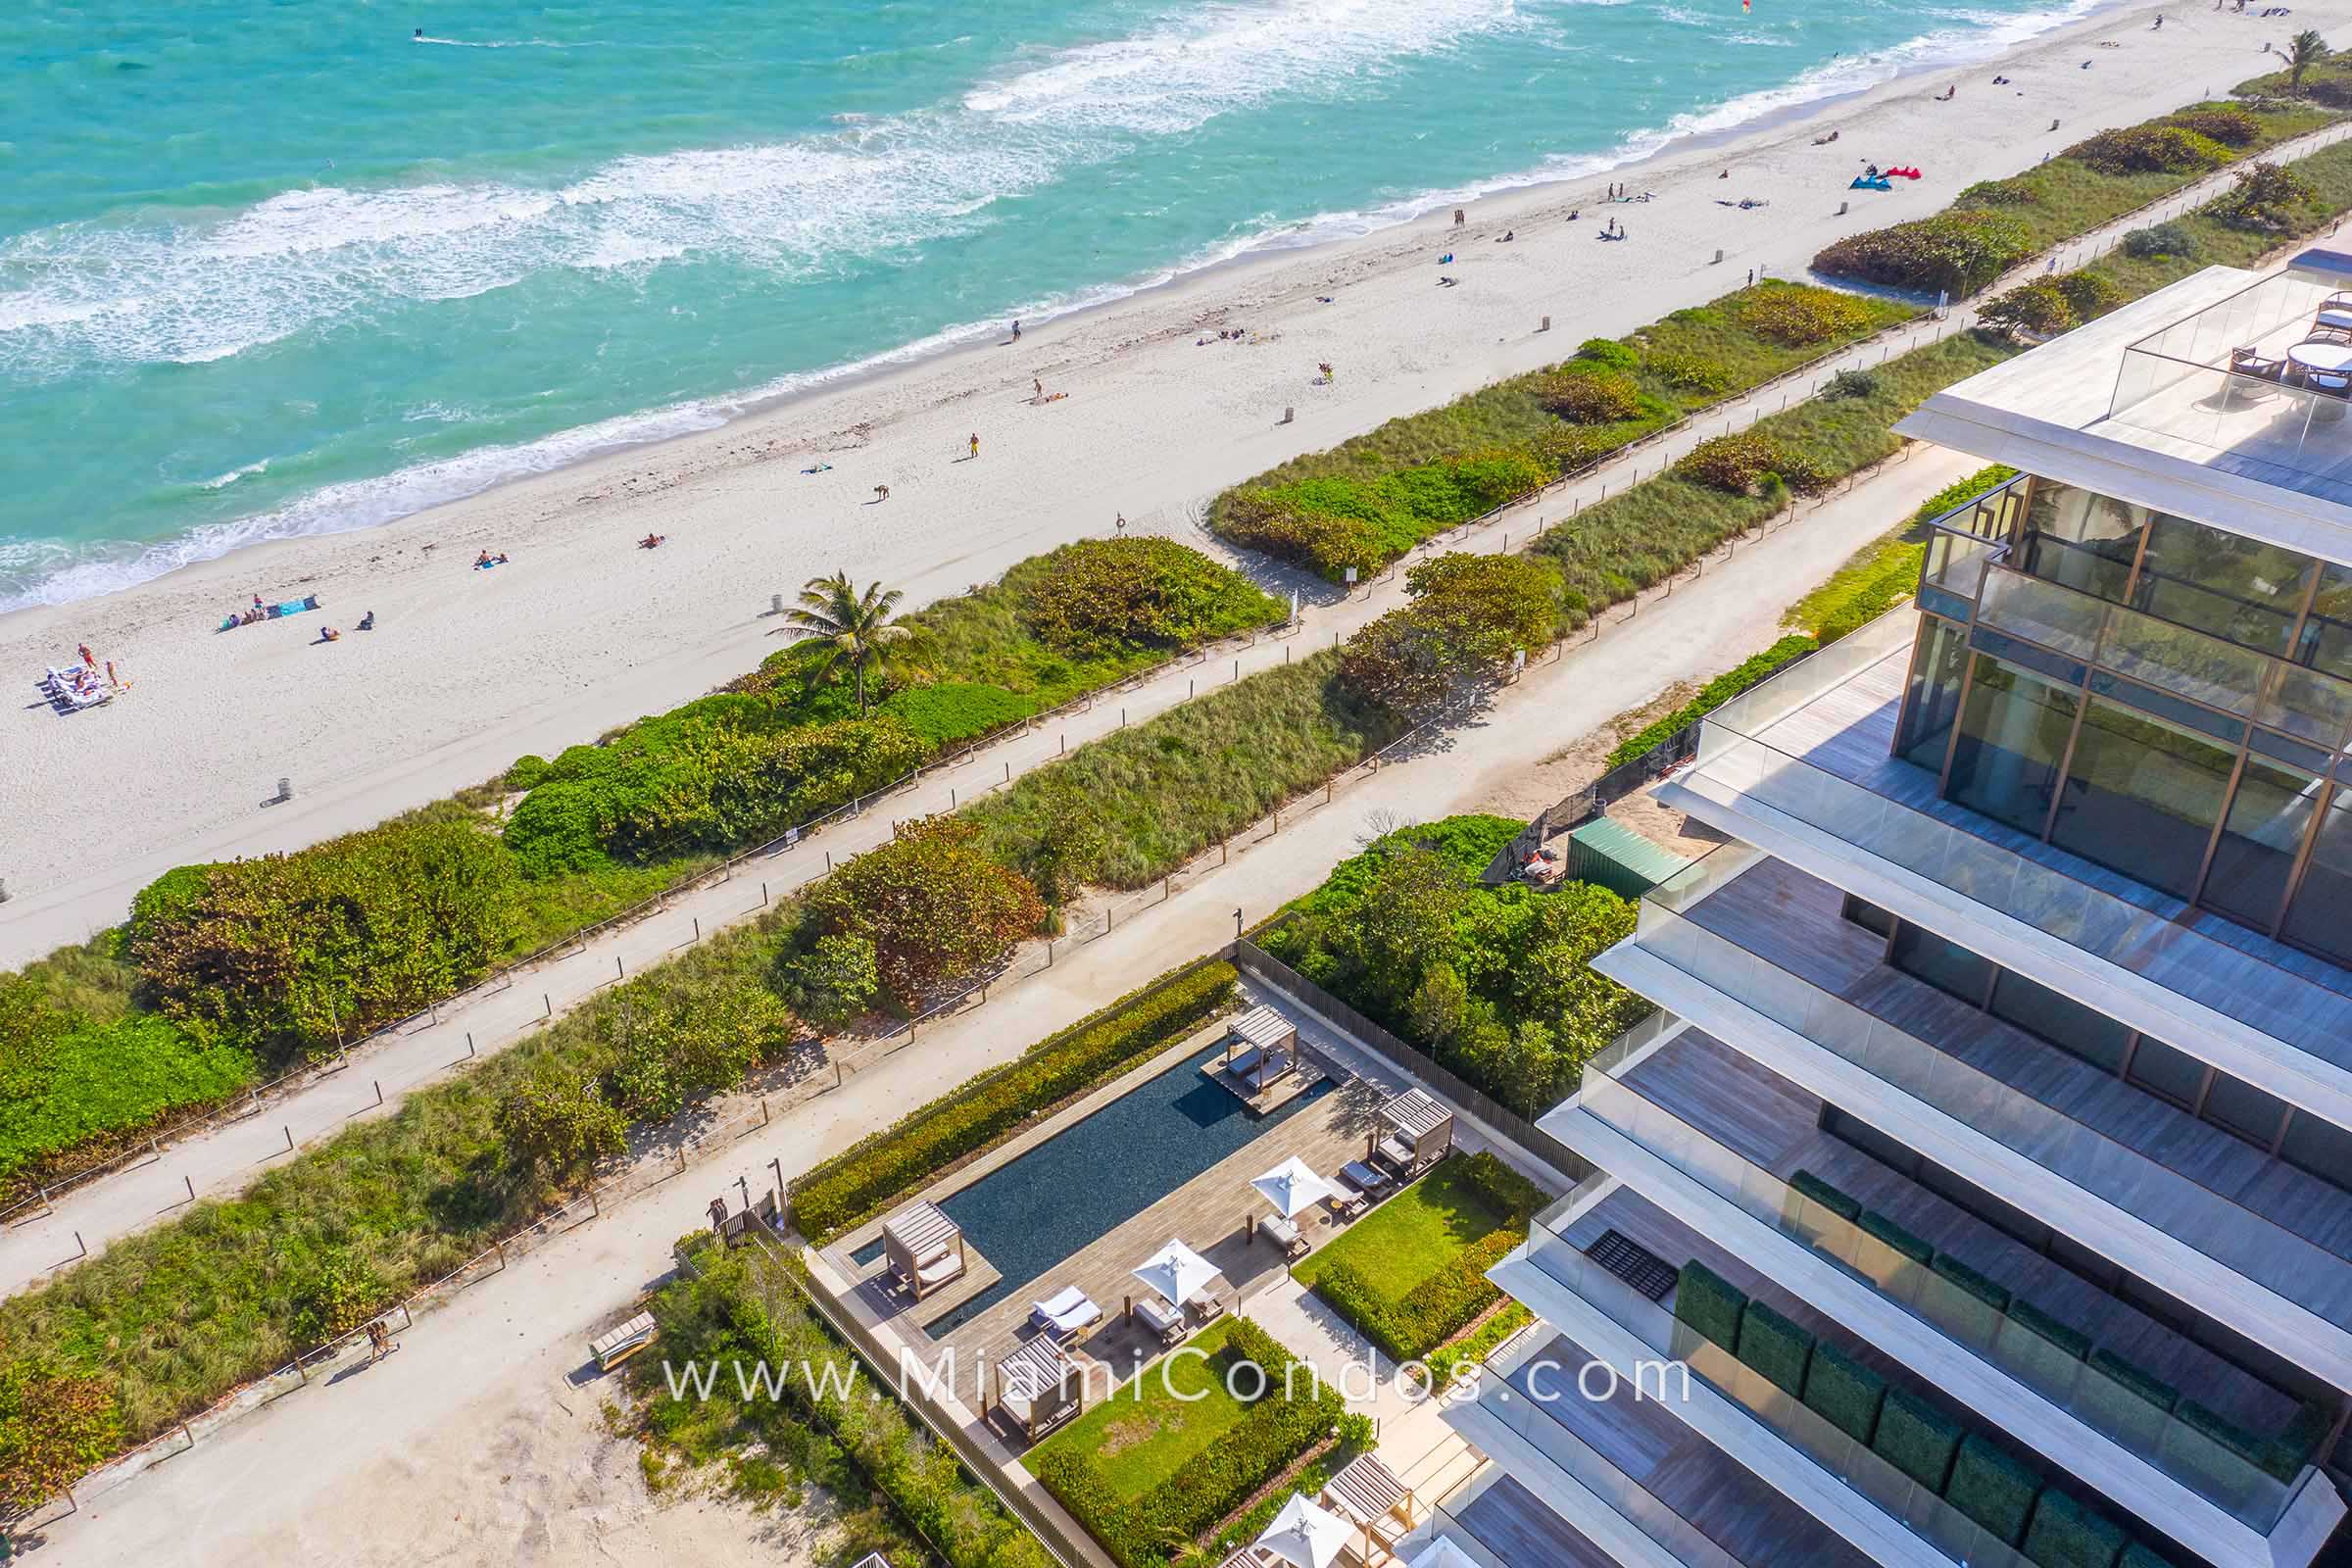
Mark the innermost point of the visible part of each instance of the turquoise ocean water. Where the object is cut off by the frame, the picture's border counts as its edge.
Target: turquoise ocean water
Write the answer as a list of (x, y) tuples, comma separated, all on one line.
[(277, 266)]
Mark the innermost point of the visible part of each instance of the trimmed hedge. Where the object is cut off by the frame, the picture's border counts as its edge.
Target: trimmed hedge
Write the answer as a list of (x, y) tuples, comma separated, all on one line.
[(1774, 1346), (1844, 1392), (1994, 1486), (2221, 1429), (1714, 694), (876, 1170), (2285, 1454), (1917, 1438), (1432, 1312), (1830, 1197), (2070, 1534), (2065, 1335), (1287, 1420), (1709, 1303), (2147, 1385), (1894, 1236), (1991, 1293)]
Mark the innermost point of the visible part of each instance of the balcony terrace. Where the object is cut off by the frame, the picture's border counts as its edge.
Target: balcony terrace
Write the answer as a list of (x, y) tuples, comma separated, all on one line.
[(1802, 768)]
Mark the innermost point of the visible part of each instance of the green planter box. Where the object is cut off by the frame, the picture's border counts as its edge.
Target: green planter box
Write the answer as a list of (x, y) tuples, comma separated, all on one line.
[(2068, 1534), (1917, 1438), (1844, 1392), (1709, 1303), (1994, 1486), (1774, 1346)]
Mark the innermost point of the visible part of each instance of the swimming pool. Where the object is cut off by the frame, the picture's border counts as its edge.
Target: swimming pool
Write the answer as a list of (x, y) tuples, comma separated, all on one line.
[(1029, 1214)]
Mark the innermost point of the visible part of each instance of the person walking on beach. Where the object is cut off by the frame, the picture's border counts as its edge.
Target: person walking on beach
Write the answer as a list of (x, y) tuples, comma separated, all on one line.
[(88, 657), (1017, 331), (881, 492), (976, 443), (1039, 385), (380, 1341)]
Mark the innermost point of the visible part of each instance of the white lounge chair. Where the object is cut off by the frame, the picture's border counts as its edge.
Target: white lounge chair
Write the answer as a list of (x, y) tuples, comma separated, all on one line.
[(1065, 1315), (1161, 1318), (1285, 1234)]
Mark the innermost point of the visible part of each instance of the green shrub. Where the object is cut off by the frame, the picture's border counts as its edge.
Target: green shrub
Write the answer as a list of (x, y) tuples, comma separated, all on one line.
[(559, 1119), (1827, 1196), (956, 710), (1740, 464), (1112, 595), (1585, 394), (53, 1429), (1287, 525), (1687, 372), (2064, 1336), (834, 981), (1709, 1303), (1894, 1236), (882, 1168), (1983, 1288), (1994, 1486), (2017, 190), (1798, 315), (2040, 307), (1844, 1392), (1751, 671), (938, 909), (1958, 251), (290, 953), (67, 1084), (2221, 1429), (2089, 293), (1917, 1438), (1851, 383), (1608, 352), (525, 771), (1507, 1191), (2285, 1454), (1432, 1312), (2137, 1379), (2069, 1533), (2161, 240), (1960, 490), (2225, 123), (1971, 1308), (2268, 199), (1774, 1346), (2156, 148)]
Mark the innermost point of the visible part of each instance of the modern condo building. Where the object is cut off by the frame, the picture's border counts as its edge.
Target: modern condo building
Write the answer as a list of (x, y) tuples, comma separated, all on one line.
[(1990, 1162)]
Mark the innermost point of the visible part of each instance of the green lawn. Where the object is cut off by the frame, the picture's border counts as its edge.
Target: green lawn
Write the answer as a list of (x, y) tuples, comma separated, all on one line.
[(1142, 1435), (1411, 1236)]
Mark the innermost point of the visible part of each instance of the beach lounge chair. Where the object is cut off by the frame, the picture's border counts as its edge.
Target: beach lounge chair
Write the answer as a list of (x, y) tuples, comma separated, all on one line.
[(1065, 1315), (1285, 1234), (1347, 1201), (1206, 1307), (1396, 1156), (1161, 1318), (1368, 1180)]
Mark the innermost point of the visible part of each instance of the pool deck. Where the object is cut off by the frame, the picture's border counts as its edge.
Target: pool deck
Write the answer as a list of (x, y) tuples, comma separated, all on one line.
[(1208, 1214)]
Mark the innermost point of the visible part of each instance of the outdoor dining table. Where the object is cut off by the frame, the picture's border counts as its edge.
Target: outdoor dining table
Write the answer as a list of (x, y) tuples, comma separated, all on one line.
[(2334, 356)]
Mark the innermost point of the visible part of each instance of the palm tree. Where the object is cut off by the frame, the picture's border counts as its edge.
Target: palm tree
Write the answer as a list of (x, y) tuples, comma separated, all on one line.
[(2304, 51), (853, 626)]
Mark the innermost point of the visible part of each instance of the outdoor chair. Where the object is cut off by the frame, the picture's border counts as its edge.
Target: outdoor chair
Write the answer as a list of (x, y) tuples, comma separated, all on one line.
[(1161, 1318), (1285, 1234), (1206, 1307), (1065, 1315)]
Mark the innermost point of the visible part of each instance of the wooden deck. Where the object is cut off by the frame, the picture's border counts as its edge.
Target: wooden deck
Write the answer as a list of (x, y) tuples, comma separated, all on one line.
[(2304, 1001), (1776, 1124), (1791, 920), (1511, 1522), (1660, 1453)]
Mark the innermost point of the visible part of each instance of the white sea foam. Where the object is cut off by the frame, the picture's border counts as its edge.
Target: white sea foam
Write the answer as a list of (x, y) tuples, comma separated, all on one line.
[(196, 291)]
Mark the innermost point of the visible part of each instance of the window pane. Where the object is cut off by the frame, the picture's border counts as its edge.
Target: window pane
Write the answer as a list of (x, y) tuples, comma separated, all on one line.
[(2321, 915), (2328, 634), (2233, 587), (2320, 1147), (2013, 732), (1871, 1142), (1933, 699), (2160, 1069), (1869, 916), (1946, 965), (2084, 540), (2142, 796), (2267, 818), (2060, 1020), (2243, 1109)]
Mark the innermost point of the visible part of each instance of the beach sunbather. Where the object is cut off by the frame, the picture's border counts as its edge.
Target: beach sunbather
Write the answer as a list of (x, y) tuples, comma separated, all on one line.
[(652, 541), (368, 621)]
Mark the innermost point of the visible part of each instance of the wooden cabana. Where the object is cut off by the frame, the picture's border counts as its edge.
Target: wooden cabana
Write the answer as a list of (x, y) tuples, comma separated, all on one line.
[(925, 1249), (1038, 1386), (1416, 1131), (1368, 1496), (1267, 1044)]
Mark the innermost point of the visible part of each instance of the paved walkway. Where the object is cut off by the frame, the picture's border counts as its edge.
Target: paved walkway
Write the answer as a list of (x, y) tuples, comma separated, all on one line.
[(1630, 669)]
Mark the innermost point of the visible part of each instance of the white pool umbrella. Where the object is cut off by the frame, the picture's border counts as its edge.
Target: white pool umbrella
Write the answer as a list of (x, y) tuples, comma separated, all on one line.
[(1307, 1534), (1291, 1188), (1177, 1273), (1442, 1552)]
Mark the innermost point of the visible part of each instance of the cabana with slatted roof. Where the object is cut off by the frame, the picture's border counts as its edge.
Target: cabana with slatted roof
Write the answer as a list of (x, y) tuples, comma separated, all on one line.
[(925, 1249), (1368, 1496), (1268, 1047), (1416, 1132), (1038, 1386)]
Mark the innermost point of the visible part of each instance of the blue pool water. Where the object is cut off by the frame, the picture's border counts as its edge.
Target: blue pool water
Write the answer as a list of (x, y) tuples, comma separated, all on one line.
[(1029, 1214), (288, 268)]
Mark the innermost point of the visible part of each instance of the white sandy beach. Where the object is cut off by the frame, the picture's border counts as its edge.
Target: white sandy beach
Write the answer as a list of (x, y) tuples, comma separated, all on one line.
[(583, 630)]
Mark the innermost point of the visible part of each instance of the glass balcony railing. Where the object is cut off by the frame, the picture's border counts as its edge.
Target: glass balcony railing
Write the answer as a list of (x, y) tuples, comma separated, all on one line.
[(1975, 584), (1916, 1508), (1516, 1402), (2218, 1474), (1738, 766), (2240, 1240)]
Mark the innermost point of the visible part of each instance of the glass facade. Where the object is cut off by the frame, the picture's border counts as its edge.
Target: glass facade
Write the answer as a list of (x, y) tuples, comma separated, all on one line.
[(2161, 698)]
